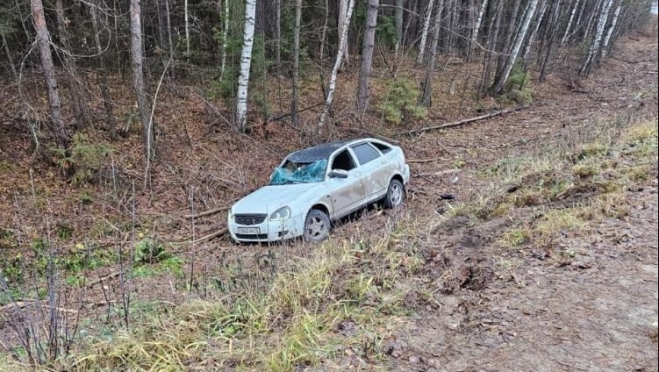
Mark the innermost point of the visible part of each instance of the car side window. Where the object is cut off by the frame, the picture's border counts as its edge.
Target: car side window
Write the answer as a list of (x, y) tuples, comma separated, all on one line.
[(365, 153), (383, 148), (343, 161)]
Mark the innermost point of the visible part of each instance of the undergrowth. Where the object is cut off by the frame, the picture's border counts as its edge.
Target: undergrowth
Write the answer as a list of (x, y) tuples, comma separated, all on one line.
[(569, 186)]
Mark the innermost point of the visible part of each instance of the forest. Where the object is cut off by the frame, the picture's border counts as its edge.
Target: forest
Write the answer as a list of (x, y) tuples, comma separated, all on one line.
[(127, 129)]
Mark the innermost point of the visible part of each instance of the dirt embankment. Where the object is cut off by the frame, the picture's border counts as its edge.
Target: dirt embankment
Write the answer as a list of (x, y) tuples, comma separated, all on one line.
[(585, 299)]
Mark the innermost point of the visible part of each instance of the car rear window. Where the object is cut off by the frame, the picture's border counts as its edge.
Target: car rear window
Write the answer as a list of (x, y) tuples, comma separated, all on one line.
[(383, 148), (365, 153)]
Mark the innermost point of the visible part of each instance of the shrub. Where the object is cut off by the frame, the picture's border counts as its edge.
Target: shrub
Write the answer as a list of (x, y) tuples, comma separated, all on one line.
[(402, 102), (88, 159)]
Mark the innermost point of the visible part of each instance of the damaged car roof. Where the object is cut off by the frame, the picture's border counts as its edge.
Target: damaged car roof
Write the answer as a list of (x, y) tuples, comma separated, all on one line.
[(318, 152)]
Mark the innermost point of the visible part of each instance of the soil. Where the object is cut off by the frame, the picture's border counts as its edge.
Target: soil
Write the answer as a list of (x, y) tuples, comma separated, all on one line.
[(595, 313)]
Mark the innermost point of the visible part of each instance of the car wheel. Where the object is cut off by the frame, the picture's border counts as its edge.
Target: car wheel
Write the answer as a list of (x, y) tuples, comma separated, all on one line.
[(395, 194), (316, 226)]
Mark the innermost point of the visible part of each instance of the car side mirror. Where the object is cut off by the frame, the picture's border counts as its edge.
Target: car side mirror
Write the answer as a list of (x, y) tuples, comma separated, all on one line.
[(338, 173)]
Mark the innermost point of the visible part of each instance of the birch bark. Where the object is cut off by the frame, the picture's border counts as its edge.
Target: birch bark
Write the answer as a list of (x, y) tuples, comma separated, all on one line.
[(343, 42), (245, 64)]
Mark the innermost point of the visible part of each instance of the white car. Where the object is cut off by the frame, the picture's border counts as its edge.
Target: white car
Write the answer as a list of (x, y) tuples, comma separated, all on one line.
[(315, 186)]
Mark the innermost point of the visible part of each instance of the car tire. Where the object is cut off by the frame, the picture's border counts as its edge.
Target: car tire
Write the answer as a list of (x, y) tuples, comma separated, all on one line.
[(316, 226), (395, 194)]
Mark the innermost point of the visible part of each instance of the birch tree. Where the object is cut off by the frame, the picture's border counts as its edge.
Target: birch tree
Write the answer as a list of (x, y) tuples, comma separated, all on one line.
[(426, 86), (344, 24), (605, 45), (510, 62), (296, 63), (477, 26), (43, 43), (531, 38), (367, 55), (510, 34), (597, 40), (245, 64), (136, 47), (424, 32), (568, 28), (225, 39), (343, 42)]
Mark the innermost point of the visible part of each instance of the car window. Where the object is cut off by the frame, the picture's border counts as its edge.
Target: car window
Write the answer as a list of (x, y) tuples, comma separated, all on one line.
[(365, 153), (343, 161), (382, 147)]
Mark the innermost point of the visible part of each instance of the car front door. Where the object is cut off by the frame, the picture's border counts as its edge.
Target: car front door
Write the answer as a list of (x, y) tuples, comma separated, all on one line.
[(345, 192)]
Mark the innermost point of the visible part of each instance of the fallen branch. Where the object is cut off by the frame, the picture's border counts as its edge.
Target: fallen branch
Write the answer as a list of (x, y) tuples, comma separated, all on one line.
[(421, 161), (466, 121), (22, 304), (440, 173), (207, 213), (212, 235), (100, 280), (372, 134)]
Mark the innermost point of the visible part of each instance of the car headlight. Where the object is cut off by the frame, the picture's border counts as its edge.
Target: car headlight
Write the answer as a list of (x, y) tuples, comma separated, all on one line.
[(230, 215), (281, 214)]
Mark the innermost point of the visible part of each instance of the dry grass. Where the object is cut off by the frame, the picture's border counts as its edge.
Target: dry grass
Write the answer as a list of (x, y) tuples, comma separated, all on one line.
[(340, 300), (573, 191)]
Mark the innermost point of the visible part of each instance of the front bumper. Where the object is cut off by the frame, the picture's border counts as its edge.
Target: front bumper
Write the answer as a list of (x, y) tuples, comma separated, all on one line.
[(267, 231)]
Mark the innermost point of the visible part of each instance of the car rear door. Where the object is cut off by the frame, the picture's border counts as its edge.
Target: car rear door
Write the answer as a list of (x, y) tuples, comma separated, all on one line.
[(374, 174)]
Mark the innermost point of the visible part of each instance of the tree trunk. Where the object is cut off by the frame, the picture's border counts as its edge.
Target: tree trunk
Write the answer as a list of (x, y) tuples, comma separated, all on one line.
[(510, 33), (399, 24), (367, 55), (245, 64), (102, 74), (605, 46), (43, 43), (170, 44), (78, 99), (551, 30), (578, 26), (343, 43), (344, 23), (295, 104), (477, 26), (323, 36), (510, 62), (143, 105), (278, 35), (8, 52), (225, 39), (186, 17), (493, 40), (426, 86), (568, 28), (591, 19), (597, 40), (161, 26), (424, 33), (531, 39)]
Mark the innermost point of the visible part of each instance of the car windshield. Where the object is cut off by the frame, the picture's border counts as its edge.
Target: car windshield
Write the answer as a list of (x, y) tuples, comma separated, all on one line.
[(296, 172)]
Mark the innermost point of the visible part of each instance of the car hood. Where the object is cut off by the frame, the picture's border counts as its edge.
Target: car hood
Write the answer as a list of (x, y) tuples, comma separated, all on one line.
[(270, 198)]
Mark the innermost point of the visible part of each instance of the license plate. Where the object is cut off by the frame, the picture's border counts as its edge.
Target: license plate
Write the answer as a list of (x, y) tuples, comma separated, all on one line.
[(249, 230)]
